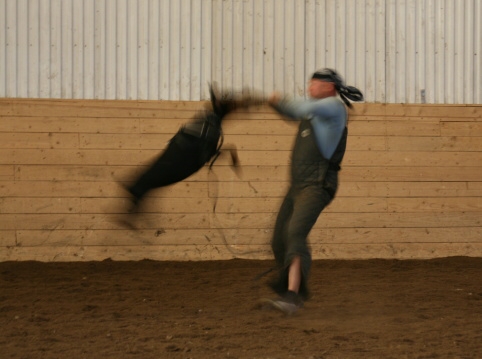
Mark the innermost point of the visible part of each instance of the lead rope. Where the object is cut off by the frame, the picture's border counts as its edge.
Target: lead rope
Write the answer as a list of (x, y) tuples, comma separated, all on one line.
[(219, 227), (218, 149)]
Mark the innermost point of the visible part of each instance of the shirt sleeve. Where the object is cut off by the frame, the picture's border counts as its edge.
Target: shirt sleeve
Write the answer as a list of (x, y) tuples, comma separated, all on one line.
[(295, 109), (327, 116)]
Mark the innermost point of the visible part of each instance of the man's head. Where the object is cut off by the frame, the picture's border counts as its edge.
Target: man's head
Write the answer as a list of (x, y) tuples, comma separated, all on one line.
[(327, 82), (324, 83)]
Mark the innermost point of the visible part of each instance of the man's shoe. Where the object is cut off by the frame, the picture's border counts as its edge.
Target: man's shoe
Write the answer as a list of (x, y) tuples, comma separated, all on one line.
[(289, 303)]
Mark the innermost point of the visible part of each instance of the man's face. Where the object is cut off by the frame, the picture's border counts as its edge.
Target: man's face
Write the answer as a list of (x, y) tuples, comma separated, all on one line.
[(321, 89)]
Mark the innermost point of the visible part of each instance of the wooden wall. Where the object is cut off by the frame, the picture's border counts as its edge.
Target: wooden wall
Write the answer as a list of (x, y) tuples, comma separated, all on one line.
[(411, 184)]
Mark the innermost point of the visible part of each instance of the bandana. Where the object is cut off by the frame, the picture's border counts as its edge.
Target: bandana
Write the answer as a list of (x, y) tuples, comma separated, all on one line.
[(328, 75), (345, 92)]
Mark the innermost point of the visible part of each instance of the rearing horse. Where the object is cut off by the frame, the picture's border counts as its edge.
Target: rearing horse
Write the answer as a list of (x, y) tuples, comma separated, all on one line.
[(195, 144)]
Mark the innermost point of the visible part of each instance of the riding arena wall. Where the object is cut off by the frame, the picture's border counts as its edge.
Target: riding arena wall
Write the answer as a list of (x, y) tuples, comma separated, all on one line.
[(410, 184)]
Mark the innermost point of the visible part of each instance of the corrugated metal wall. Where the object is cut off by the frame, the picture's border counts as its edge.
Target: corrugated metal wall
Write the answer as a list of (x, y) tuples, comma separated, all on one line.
[(395, 51)]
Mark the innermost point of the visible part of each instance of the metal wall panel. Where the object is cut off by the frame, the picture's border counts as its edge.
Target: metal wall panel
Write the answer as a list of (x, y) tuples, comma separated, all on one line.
[(395, 51)]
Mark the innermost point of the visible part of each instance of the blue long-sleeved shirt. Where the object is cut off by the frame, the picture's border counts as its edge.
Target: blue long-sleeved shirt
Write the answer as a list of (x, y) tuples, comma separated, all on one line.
[(328, 117)]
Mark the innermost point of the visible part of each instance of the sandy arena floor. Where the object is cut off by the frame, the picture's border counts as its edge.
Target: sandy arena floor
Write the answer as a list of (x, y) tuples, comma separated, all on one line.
[(359, 309)]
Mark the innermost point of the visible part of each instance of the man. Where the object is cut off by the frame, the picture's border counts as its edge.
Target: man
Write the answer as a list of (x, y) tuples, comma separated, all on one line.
[(316, 158)]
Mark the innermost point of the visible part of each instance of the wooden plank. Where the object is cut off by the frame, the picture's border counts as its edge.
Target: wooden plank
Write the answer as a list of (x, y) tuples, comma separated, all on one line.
[(461, 128), (411, 158), (272, 204), (476, 186), (219, 252), (255, 158), (255, 173), (129, 173), (242, 237), (357, 117), (95, 189), (369, 109), (77, 173), (251, 124), (266, 189), (60, 189), (453, 143), (397, 251), (399, 220), (366, 127), (241, 123), (263, 143), (131, 253), (26, 205), (434, 205), (348, 236), (446, 111), (418, 119), (124, 141), (7, 173), (467, 111), (355, 220), (126, 108), (152, 205), (8, 238), (439, 189), (411, 174), (133, 140), (122, 237), (69, 124), (366, 143), (57, 205), (351, 174), (242, 142), (256, 125), (71, 157), (165, 125), (77, 157), (99, 108), (238, 189), (364, 158), (76, 221), (39, 140), (338, 220), (413, 128), (247, 189), (253, 220)]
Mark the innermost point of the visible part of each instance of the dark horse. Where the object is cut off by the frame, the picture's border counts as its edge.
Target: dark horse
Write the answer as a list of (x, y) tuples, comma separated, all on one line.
[(195, 144)]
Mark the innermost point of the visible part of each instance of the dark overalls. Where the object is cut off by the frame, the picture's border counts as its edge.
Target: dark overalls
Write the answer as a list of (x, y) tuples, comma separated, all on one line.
[(314, 181)]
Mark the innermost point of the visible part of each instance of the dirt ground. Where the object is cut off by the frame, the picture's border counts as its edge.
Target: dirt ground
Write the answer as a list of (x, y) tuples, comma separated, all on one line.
[(148, 309)]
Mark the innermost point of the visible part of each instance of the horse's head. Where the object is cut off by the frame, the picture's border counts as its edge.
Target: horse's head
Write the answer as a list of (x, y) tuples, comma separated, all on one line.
[(222, 103), (227, 102)]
